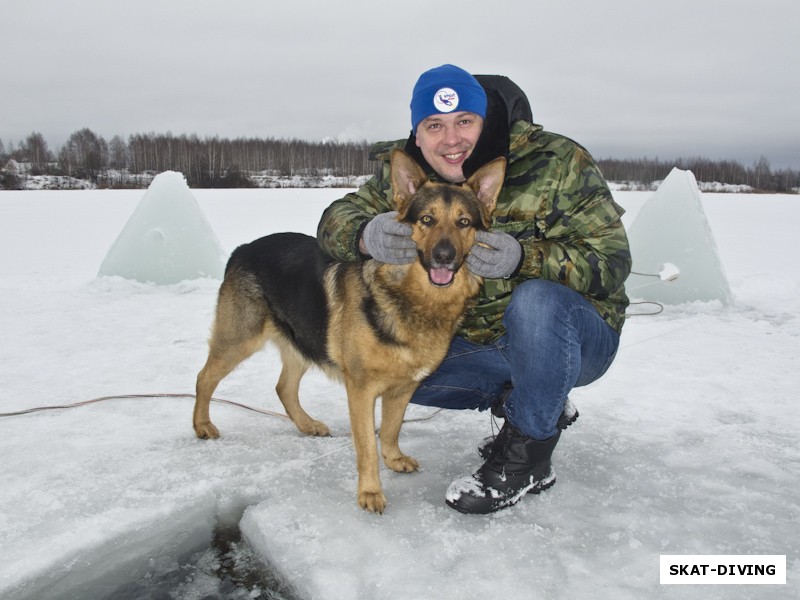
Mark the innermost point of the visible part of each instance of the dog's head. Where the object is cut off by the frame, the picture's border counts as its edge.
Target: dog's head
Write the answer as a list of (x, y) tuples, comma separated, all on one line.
[(444, 217)]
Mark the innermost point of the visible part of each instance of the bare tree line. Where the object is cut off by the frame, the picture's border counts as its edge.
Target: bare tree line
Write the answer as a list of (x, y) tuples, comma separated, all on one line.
[(203, 162), (760, 176), (223, 162), (206, 162)]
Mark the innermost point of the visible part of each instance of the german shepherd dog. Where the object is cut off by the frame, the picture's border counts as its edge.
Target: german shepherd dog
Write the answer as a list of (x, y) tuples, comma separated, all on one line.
[(380, 328)]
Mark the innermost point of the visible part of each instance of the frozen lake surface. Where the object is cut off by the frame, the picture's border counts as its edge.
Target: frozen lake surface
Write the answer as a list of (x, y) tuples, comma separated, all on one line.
[(688, 445)]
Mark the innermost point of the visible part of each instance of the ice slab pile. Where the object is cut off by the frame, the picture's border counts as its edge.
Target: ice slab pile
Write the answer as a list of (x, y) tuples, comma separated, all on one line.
[(671, 229), (167, 238)]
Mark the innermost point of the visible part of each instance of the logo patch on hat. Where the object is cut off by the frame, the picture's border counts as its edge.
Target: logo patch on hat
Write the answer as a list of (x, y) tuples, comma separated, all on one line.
[(445, 100)]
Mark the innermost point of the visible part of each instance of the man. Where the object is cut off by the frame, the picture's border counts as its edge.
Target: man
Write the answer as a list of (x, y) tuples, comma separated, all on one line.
[(553, 302)]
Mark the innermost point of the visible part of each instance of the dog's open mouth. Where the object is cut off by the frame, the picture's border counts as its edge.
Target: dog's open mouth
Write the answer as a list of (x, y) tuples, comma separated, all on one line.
[(441, 276)]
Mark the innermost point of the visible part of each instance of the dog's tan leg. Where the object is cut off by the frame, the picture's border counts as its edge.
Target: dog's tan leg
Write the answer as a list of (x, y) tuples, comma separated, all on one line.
[(217, 367), (238, 333), (361, 402), (214, 371), (393, 409), (288, 389)]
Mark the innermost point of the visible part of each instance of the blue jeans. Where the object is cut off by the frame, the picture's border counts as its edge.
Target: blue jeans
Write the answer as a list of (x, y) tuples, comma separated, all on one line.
[(555, 340)]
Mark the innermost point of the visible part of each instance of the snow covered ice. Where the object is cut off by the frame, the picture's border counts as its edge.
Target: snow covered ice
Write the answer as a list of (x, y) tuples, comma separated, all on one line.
[(167, 239), (688, 445)]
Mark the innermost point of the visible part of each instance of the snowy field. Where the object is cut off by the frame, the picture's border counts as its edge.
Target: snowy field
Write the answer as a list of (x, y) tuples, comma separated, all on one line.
[(689, 445)]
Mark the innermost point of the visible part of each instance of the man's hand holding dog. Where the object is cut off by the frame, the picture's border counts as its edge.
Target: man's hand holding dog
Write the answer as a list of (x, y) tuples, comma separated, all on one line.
[(494, 255), (388, 241)]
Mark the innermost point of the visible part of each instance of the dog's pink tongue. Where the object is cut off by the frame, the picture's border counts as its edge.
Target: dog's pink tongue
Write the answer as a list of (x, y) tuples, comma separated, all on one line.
[(441, 276)]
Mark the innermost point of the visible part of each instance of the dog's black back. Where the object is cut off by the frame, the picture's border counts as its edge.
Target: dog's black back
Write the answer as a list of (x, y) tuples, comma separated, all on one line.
[(289, 269)]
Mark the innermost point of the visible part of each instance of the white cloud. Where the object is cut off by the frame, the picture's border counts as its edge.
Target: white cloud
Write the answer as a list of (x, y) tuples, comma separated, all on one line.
[(610, 74)]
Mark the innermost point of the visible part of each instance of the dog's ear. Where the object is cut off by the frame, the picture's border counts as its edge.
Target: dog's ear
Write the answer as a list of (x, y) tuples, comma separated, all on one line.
[(407, 178), (487, 183)]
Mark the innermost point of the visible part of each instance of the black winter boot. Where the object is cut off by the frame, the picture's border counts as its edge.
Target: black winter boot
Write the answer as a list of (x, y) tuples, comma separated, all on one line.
[(568, 416), (516, 465)]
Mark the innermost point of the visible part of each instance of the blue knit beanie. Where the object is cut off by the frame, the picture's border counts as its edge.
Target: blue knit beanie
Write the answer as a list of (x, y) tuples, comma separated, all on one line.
[(446, 89)]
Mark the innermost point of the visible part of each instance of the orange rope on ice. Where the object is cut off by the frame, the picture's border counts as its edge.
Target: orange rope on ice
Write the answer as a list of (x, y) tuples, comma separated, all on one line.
[(135, 396)]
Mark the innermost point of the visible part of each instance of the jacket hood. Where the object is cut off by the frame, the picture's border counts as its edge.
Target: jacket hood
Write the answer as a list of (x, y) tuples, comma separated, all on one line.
[(509, 95)]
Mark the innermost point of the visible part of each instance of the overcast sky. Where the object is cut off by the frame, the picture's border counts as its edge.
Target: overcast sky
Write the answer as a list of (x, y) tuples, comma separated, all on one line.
[(625, 78)]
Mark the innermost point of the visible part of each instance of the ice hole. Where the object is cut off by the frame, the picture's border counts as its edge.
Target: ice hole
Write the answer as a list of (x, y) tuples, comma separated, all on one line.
[(195, 552)]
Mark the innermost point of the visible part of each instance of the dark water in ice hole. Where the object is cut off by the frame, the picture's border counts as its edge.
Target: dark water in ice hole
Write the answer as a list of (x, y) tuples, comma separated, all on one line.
[(228, 570)]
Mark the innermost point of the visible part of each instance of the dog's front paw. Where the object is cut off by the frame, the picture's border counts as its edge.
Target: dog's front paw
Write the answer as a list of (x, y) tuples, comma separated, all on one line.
[(372, 501), (402, 464), (206, 431)]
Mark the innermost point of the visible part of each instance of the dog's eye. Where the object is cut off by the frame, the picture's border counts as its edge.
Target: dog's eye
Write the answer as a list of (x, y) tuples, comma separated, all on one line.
[(426, 220), (464, 222)]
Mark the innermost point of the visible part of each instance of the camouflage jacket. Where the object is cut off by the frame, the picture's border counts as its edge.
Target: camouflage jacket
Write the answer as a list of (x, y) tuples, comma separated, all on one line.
[(554, 201)]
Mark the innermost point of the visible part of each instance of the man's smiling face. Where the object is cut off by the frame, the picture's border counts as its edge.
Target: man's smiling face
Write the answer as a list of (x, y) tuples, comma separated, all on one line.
[(447, 140)]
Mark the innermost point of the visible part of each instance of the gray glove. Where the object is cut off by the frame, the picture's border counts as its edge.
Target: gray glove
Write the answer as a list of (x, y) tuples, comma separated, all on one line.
[(389, 241), (501, 260)]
